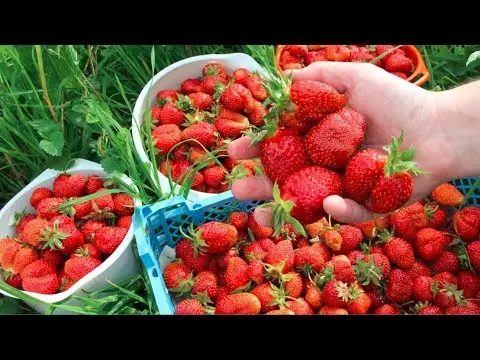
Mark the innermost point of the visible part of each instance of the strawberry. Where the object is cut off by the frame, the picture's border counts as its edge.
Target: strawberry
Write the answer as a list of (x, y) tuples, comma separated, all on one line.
[(289, 61), (282, 256), (282, 154), (314, 297), (62, 236), (189, 307), (373, 270), (195, 260), (255, 250), (429, 244), (334, 141), (418, 269), (314, 56), (355, 255), (236, 275), (123, 204), (351, 238), (447, 195), (306, 189), (299, 307), (256, 271), (16, 258), (381, 49), (220, 293), (178, 277), (377, 298), (401, 75), (89, 250), (399, 251), (210, 84), (342, 271), (45, 207), (234, 97), (293, 285), (191, 85), (54, 257), (65, 186), (239, 219), (359, 302), (171, 114), (337, 53), (473, 251), (156, 112), (231, 128), (448, 261), (214, 175), (164, 96), (180, 152), (125, 222), (82, 209), (214, 68), (422, 289), (461, 310), (109, 238), (259, 232), (445, 278), (331, 310), (205, 133), (308, 260), (40, 277), (361, 54), (257, 114), (409, 220), (336, 294), (301, 242), (90, 227), (32, 233), (254, 84), (297, 50), (240, 75), (280, 312), (165, 137), (469, 283), (213, 237), (200, 100), (181, 170), (437, 218), (77, 267), (389, 186), (199, 155), (22, 220), (39, 194), (205, 282), (467, 223), (399, 63), (400, 286), (104, 202), (430, 310), (238, 304), (387, 309), (8, 248), (446, 295), (14, 281), (271, 297)]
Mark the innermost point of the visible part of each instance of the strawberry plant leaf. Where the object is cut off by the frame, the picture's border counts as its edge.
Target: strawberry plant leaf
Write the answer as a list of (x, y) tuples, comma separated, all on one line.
[(473, 57)]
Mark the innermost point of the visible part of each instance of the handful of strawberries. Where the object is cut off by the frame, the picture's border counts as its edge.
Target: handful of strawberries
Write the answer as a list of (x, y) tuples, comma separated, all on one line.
[(194, 124), (395, 61), (60, 243), (419, 260)]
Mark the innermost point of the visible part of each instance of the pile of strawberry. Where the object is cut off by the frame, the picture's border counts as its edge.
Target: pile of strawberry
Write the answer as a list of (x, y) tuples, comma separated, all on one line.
[(54, 248), (419, 260), (299, 56), (210, 111)]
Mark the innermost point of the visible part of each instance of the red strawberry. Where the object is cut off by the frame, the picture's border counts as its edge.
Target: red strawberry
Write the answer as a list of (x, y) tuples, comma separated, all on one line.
[(336, 294), (62, 236), (271, 297), (82, 209), (282, 155), (191, 85), (214, 237), (351, 238), (469, 283), (376, 297), (45, 207), (430, 310), (301, 242), (181, 170), (54, 257), (387, 309), (241, 75), (77, 267), (164, 96), (309, 260), (189, 307), (23, 221), (359, 303), (418, 269), (104, 202), (156, 112), (409, 220), (447, 195), (257, 114), (337, 53), (354, 255), (180, 152), (66, 186), (334, 141), (400, 286), (90, 227), (40, 277), (236, 97), (467, 223), (220, 294), (32, 232), (437, 217), (125, 222), (259, 232), (280, 312), (314, 56), (170, 114), (89, 250), (205, 282), (195, 260), (199, 155), (445, 278), (239, 219), (109, 238), (231, 128), (343, 271), (200, 100), (165, 137), (14, 281), (429, 244), (209, 83), (214, 68), (238, 304), (299, 307), (254, 250), (123, 204), (446, 296), (473, 250), (331, 310), (422, 289), (39, 194), (381, 49), (254, 84), (214, 175), (16, 258), (223, 259), (314, 297), (461, 310), (256, 271), (448, 261), (289, 61), (399, 63), (205, 133), (297, 50), (293, 284), (178, 277), (282, 256), (399, 251)]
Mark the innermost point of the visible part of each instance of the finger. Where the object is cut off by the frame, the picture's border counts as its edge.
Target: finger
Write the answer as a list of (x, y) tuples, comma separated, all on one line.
[(346, 210), (240, 149), (337, 74), (263, 216), (253, 188)]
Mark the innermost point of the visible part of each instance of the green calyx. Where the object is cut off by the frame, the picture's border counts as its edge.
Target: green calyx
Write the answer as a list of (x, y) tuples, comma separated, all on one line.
[(278, 89), (257, 134), (281, 214), (238, 172), (199, 245), (452, 292), (274, 273), (184, 286), (365, 248), (367, 272), (398, 161), (184, 103), (18, 216), (307, 270), (219, 90), (52, 237), (430, 210), (162, 101), (194, 118), (385, 236), (460, 250), (82, 252), (324, 277), (202, 297), (420, 306), (97, 214), (279, 295)]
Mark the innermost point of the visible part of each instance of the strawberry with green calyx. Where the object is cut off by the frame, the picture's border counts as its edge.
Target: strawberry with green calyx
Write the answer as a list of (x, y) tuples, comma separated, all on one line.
[(367, 272), (61, 236), (436, 216), (309, 261), (39, 194), (238, 172), (447, 295), (214, 237), (238, 304), (322, 278), (87, 250), (447, 195), (21, 219), (390, 186), (178, 278), (189, 307), (399, 251), (77, 267), (271, 297)]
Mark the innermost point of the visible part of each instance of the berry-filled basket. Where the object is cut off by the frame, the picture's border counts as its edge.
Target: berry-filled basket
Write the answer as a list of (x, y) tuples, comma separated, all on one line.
[(158, 228), (117, 266), (419, 75)]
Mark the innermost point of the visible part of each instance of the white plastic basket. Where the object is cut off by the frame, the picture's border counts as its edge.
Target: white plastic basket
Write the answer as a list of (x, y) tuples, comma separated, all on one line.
[(120, 265), (171, 78)]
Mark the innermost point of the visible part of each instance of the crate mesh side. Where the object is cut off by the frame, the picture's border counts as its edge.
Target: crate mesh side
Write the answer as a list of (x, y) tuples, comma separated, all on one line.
[(464, 185)]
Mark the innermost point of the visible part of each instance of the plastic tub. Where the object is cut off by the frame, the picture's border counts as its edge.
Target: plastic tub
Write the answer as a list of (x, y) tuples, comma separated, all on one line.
[(120, 265), (171, 78), (411, 51)]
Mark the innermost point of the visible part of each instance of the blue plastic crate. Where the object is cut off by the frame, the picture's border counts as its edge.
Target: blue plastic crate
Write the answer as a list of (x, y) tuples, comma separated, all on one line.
[(158, 225)]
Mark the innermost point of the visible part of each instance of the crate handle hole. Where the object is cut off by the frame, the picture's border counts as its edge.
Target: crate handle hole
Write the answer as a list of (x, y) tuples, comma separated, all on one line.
[(196, 206), (154, 273)]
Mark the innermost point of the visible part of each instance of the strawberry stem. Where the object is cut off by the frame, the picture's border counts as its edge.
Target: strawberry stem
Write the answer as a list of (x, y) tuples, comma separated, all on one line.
[(400, 161)]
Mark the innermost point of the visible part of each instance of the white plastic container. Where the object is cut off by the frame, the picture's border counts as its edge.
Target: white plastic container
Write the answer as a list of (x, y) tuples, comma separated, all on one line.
[(171, 78), (120, 265)]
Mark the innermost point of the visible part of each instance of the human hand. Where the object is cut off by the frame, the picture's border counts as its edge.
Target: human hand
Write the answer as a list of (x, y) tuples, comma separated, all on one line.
[(389, 104)]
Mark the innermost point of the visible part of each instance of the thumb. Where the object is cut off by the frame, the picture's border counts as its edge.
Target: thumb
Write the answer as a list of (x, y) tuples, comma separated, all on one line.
[(346, 211)]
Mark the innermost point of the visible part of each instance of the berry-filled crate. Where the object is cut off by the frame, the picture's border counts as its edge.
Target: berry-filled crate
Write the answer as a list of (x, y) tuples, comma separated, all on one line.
[(157, 230), (120, 265), (172, 77)]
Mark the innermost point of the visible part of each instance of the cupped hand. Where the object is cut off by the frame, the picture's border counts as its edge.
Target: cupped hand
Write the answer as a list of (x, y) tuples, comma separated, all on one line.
[(390, 105)]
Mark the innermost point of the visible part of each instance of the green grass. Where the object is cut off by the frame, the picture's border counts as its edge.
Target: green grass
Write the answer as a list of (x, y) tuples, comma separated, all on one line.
[(61, 102)]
